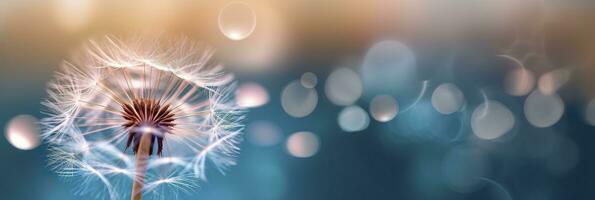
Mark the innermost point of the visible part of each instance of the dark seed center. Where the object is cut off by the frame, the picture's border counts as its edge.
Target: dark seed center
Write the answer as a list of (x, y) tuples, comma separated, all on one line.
[(147, 116)]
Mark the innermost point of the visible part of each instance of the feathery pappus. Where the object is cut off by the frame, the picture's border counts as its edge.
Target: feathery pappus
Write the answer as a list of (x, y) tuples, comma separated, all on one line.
[(148, 112)]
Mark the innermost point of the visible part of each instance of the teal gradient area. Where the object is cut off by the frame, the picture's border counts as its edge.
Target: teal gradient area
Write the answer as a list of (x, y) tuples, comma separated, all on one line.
[(404, 49)]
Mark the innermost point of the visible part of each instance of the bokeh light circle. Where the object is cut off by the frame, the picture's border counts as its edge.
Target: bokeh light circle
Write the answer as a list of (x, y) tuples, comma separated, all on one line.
[(237, 20), (519, 82), (353, 118), (303, 144), (384, 108), (447, 98), (73, 15), (343, 87), (251, 95), (263, 50), (491, 120), (263, 133), (590, 113), (298, 101), (22, 132), (388, 67), (551, 82), (309, 80), (543, 110)]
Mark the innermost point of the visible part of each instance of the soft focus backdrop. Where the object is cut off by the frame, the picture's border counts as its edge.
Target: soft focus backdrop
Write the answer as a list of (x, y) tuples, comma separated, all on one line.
[(380, 99)]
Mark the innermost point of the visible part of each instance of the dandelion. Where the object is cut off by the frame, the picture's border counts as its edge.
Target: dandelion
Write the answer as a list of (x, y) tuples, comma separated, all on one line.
[(150, 113)]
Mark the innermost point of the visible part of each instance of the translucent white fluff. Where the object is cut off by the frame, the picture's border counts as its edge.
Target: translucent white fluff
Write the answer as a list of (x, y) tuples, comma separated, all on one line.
[(86, 130)]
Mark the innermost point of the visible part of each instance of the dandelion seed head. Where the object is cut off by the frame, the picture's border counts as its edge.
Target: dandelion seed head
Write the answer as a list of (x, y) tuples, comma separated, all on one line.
[(113, 92)]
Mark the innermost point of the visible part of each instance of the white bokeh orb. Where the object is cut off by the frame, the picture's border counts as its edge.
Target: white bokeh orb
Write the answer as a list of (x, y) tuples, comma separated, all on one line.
[(309, 80), (237, 20), (384, 108), (491, 120), (251, 95), (303, 144), (343, 87), (23, 132), (353, 119), (543, 110), (447, 98), (298, 101)]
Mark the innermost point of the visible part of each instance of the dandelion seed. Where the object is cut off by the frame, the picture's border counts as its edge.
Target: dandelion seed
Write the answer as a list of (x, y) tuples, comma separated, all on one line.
[(146, 112)]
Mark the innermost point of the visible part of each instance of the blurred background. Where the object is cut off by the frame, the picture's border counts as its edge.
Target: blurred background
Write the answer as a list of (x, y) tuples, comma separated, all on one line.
[(378, 99)]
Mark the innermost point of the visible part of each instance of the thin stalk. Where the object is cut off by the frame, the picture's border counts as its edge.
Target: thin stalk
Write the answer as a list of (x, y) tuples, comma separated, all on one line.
[(142, 157)]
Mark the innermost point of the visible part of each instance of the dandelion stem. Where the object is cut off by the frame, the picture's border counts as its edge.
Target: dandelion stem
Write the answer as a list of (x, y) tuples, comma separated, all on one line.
[(142, 157)]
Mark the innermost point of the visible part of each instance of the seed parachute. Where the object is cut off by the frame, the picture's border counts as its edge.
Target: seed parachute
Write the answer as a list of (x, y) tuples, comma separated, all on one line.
[(147, 112)]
